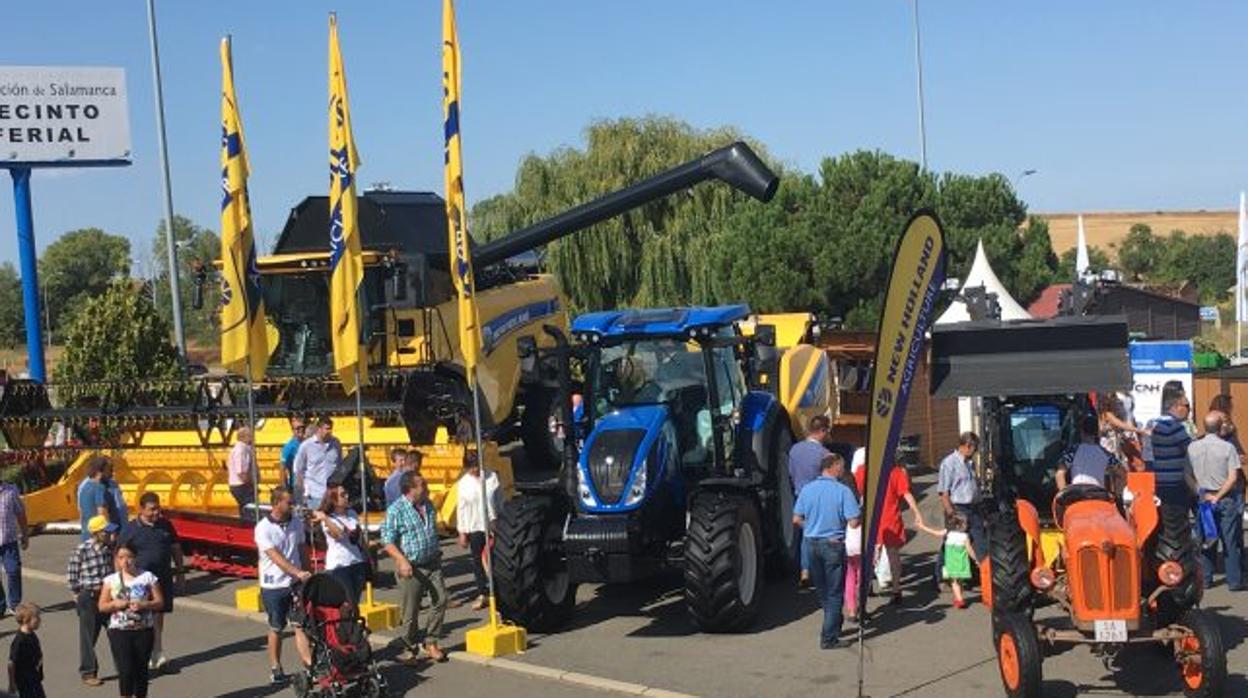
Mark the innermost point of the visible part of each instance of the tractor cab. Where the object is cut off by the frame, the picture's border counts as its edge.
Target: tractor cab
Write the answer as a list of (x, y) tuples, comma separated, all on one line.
[(662, 398)]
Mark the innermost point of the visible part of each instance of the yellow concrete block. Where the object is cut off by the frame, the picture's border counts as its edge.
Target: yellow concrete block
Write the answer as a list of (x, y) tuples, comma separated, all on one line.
[(248, 599), (380, 616), (496, 640)]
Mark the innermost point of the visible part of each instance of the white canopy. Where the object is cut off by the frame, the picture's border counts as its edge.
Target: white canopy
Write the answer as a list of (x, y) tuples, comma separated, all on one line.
[(982, 275)]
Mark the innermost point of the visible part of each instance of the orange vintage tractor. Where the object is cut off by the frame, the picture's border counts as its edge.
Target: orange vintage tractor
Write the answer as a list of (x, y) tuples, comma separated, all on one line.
[(1119, 566)]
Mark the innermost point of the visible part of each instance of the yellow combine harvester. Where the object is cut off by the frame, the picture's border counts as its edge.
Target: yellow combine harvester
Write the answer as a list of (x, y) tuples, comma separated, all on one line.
[(173, 438)]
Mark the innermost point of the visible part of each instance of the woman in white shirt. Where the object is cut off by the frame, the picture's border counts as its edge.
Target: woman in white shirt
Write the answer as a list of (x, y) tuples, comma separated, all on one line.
[(470, 518), (344, 554), (130, 598)]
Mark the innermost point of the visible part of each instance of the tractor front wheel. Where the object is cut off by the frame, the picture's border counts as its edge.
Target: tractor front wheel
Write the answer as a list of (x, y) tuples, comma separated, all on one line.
[(531, 575), (1018, 655), (1007, 550), (723, 558), (1201, 656)]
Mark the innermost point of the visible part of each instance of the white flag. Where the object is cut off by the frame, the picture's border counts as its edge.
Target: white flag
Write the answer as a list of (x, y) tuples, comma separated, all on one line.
[(1241, 259), (1081, 252)]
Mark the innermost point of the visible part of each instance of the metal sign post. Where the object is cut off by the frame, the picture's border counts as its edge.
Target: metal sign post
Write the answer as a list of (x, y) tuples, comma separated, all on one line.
[(30, 278)]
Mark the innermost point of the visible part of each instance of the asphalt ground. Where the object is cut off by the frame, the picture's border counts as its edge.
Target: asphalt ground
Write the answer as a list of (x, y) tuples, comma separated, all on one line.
[(640, 634)]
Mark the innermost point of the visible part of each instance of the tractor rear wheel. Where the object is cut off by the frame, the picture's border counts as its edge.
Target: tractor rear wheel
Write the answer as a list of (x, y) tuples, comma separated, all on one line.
[(781, 561), (1173, 543), (723, 558), (1007, 549), (531, 577), (1018, 655), (1202, 657)]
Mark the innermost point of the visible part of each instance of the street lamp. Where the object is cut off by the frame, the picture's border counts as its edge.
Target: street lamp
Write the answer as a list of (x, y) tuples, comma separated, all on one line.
[(1020, 176)]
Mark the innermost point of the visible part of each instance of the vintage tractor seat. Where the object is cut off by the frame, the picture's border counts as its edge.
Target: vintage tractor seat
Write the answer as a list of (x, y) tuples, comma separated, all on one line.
[(1078, 493)]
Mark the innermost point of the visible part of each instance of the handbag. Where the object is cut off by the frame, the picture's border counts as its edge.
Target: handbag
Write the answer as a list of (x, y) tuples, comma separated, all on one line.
[(883, 573), (1208, 520)]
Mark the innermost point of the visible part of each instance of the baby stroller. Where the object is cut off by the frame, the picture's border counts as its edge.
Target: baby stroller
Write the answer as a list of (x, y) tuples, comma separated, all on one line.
[(342, 658)]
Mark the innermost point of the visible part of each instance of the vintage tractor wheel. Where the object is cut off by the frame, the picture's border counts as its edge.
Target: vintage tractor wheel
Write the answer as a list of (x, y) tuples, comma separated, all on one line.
[(541, 447), (723, 559), (1201, 655), (1173, 542), (531, 576), (1007, 549), (1018, 655)]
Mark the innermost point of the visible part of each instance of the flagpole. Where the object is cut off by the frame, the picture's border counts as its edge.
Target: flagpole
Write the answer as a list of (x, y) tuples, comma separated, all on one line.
[(251, 423), (359, 424), (485, 495)]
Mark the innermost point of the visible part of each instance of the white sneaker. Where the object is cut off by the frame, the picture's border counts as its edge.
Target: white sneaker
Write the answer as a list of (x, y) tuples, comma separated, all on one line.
[(157, 663)]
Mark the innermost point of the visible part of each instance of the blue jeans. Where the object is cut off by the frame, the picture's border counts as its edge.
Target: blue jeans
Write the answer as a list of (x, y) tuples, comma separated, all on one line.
[(827, 573), (801, 555), (353, 578), (11, 558), (1229, 513)]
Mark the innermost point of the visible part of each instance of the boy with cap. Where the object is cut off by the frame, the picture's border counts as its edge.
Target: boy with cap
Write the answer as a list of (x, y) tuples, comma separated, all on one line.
[(89, 564)]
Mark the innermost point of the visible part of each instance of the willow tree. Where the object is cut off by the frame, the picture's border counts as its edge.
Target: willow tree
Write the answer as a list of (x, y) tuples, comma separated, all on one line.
[(644, 257)]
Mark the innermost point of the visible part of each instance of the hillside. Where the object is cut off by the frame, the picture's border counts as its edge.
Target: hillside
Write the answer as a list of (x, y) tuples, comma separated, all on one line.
[(1105, 229)]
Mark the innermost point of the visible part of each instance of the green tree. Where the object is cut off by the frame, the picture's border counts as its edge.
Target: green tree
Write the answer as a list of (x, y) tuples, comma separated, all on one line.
[(118, 339), (12, 323), (77, 266), (641, 258), (1205, 260), (1140, 252), (1098, 262), (194, 244)]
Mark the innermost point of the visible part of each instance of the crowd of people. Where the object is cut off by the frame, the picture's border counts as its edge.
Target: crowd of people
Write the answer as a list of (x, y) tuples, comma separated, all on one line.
[(125, 573)]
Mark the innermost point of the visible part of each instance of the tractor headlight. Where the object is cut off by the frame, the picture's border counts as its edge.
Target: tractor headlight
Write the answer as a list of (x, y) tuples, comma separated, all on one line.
[(1170, 573), (638, 490), (1043, 578)]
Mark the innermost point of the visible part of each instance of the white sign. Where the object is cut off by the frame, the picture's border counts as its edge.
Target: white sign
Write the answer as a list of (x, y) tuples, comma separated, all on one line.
[(63, 115), (1153, 365)]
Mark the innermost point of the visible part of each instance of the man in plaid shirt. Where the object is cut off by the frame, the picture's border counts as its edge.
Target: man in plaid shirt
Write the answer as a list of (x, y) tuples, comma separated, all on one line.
[(410, 536), (12, 536), (89, 564)]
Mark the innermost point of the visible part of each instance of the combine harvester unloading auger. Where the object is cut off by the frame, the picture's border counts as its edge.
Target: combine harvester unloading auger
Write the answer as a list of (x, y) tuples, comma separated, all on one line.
[(173, 438)]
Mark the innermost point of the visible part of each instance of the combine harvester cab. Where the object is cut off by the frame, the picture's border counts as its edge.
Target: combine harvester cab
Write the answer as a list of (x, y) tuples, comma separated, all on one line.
[(1120, 565), (681, 456)]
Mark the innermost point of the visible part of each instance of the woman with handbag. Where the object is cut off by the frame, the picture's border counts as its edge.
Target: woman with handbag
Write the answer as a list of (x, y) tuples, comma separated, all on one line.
[(345, 558)]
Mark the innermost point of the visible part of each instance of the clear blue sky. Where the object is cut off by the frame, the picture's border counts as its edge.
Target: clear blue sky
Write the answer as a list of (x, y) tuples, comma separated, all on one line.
[(1140, 105)]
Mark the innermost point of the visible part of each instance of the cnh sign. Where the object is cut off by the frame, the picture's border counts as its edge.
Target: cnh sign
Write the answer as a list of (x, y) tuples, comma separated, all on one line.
[(63, 116)]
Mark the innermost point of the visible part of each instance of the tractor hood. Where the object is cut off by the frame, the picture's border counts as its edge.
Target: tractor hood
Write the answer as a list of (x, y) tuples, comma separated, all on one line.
[(613, 461)]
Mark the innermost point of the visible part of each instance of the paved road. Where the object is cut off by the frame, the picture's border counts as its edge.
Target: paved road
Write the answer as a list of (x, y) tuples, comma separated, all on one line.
[(640, 634)]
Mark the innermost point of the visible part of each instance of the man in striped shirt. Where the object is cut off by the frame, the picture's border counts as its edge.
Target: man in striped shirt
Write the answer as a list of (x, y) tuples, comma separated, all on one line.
[(1170, 439)]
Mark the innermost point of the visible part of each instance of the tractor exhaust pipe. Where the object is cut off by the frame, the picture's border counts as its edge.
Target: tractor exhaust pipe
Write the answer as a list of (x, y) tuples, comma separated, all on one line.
[(736, 165)]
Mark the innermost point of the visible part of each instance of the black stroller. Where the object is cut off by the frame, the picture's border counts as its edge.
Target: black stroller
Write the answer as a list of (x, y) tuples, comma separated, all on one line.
[(342, 658)]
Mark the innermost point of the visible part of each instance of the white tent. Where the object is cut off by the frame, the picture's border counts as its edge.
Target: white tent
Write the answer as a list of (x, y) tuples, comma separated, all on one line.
[(982, 275)]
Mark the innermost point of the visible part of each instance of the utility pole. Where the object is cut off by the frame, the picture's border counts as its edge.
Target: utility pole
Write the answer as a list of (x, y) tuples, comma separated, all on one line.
[(174, 287), (918, 68)]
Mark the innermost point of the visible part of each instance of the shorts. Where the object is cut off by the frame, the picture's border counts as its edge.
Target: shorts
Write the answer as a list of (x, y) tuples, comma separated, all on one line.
[(166, 590), (282, 608)]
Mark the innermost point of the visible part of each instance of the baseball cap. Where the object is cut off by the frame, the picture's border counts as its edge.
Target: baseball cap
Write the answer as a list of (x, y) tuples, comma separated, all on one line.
[(99, 522)]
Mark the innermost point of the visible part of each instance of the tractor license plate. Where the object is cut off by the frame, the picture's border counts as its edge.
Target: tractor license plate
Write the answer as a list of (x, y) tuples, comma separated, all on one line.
[(1111, 631)]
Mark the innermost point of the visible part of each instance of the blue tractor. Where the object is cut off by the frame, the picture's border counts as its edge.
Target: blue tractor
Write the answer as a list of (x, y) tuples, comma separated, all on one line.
[(676, 452)]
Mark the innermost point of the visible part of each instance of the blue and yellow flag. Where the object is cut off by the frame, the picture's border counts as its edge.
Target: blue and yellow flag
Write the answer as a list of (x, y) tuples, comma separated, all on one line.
[(242, 302), (456, 214), (346, 267), (913, 285)]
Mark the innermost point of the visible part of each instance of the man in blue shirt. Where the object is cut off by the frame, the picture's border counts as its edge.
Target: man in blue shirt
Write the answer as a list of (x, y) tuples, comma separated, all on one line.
[(1170, 463), (805, 462), (94, 497), (824, 509), (291, 449), (402, 461)]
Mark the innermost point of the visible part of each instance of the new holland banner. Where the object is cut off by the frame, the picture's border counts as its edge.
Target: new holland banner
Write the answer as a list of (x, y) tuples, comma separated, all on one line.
[(917, 275)]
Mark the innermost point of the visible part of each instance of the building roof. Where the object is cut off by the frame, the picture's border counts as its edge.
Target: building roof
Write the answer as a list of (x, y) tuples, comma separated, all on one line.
[(982, 275), (1045, 306)]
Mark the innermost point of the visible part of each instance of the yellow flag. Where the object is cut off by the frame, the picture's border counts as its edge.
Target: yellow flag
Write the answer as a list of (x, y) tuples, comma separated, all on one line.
[(346, 268), (242, 302), (456, 214)]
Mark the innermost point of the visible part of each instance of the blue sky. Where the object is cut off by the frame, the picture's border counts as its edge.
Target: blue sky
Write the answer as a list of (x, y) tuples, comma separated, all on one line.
[(1118, 105)]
